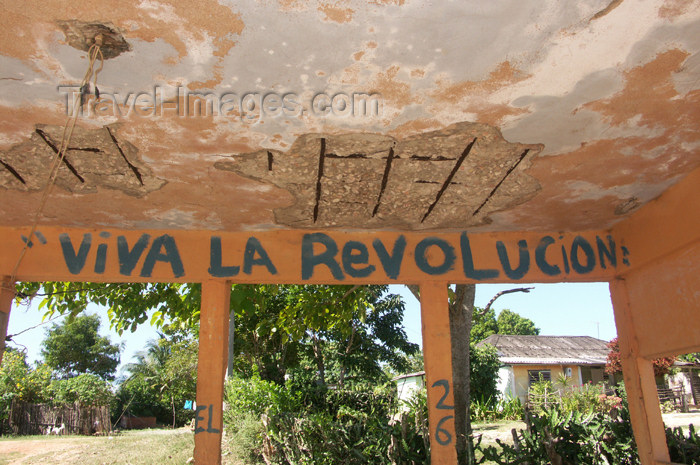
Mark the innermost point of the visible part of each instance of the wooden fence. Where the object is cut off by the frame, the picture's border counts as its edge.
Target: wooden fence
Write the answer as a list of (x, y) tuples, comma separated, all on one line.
[(676, 396), (31, 419)]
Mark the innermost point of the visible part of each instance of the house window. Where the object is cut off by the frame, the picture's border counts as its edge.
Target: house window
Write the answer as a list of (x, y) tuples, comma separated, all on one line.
[(535, 376)]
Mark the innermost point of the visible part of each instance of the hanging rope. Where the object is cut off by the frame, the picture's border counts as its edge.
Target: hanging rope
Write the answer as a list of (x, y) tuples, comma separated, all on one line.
[(91, 74)]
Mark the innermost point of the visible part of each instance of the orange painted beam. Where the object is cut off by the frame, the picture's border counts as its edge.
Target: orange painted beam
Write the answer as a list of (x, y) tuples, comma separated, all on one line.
[(664, 226), (640, 383), (305, 257), (665, 299), (437, 354), (211, 369)]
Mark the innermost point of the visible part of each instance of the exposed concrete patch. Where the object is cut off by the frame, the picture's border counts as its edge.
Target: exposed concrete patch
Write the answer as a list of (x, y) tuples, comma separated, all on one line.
[(95, 158), (451, 178)]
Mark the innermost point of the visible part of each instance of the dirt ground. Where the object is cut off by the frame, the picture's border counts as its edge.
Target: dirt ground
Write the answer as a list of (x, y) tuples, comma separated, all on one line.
[(671, 420), (165, 446), (24, 451)]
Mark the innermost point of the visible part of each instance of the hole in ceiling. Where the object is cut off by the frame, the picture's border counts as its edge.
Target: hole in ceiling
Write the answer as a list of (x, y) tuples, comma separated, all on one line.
[(81, 35)]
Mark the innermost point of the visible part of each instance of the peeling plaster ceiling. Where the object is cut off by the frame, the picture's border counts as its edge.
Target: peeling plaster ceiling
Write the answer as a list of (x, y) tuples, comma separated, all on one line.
[(212, 115)]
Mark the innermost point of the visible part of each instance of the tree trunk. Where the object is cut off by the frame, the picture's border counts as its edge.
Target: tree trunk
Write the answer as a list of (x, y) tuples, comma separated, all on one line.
[(231, 330), (461, 310), (7, 293), (318, 355), (348, 349)]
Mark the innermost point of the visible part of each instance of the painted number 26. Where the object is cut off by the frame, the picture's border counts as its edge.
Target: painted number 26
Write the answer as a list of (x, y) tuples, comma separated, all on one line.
[(443, 436)]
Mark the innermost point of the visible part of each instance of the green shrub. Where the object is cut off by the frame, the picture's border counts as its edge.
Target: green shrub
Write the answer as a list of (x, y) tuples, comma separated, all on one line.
[(556, 433), (483, 368), (245, 441), (410, 442), (137, 397), (86, 389), (682, 448), (304, 425), (254, 396), (508, 408), (588, 398)]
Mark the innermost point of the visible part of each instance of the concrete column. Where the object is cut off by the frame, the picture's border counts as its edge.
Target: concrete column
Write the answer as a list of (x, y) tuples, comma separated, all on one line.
[(211, 369), (640, 384), (7, 293), (437, 354)]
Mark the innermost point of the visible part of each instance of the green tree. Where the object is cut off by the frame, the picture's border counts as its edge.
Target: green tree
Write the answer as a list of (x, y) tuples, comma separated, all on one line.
[(166, 372), (261, 346), (508, 322), (512, 323), (485, 324), (86, 389), (20, 381), (613, 364), (483, 375), (174, 306), (75, 346), (358, 349)]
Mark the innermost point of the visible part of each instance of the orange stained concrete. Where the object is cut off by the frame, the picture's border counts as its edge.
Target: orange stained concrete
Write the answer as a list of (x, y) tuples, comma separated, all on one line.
[(149, 22)]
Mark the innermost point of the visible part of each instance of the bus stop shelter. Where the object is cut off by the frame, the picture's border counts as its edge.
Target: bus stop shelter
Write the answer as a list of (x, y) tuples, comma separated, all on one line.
[(358, 143)]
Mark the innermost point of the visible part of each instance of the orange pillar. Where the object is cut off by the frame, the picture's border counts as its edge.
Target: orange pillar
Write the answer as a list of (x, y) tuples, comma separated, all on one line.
[(437, 353), (640, 384), (7, 293), (211, 369)]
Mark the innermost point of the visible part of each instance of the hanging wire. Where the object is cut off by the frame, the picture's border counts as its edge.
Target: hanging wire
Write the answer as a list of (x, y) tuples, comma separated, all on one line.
[(10, 336), (93, 53)]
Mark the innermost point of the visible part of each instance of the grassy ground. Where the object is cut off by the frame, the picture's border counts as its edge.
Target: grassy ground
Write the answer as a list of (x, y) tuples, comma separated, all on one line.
[(144, 447)]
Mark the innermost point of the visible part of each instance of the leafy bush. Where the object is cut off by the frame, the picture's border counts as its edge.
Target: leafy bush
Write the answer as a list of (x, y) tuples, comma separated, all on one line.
[(588, 398), (255, 396), (509, 408), (19, 381), (136, 397), (558, 434), (86, 389), (285, 425), (245, 440), (483, 365), (682, 448), (349, 426), (410, 442)]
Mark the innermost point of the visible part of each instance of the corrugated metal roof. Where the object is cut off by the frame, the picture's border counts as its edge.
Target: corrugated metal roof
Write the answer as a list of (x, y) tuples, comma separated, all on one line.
[(409, 375), (549, 350)]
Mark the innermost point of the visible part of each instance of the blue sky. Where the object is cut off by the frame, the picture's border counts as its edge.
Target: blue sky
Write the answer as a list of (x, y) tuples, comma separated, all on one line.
[(557, 309)]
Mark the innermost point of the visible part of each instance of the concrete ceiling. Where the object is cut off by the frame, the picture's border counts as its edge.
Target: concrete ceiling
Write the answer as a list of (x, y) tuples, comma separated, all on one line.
[(491, 116)]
